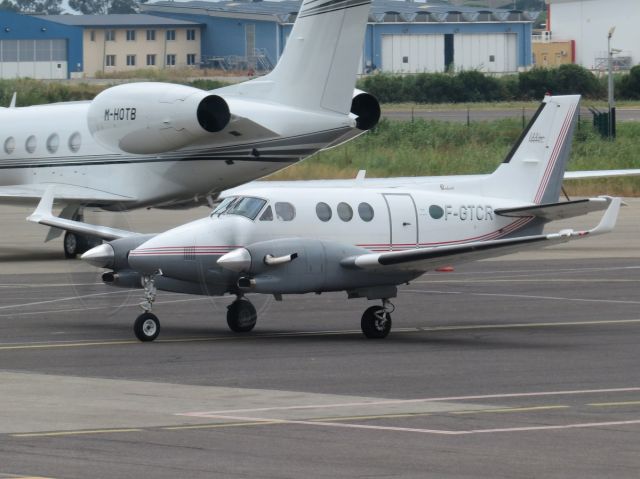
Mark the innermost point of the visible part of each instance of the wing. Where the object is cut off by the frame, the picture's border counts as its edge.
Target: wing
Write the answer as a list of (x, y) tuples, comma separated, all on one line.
[(44, 215), (32, 193), (557, 211), (424, 259)]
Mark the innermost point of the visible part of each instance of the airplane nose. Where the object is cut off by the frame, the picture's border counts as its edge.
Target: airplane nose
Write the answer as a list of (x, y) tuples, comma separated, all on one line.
[(238, 260), (101, 256)]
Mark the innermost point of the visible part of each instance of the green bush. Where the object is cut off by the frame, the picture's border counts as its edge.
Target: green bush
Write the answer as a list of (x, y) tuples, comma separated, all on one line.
[(628, 86)]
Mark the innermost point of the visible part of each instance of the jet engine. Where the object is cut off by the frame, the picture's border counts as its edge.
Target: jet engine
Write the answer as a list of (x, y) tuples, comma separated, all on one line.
[(366, 107), (148, 117)]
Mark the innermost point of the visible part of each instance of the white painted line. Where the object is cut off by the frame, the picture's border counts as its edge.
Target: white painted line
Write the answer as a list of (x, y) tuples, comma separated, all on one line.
[(58, 300), (410, 401), (445, 432), (530, 325), (522, 296)]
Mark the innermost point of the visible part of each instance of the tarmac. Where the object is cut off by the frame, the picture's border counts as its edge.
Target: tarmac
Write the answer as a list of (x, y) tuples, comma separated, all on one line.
[(523, 366)]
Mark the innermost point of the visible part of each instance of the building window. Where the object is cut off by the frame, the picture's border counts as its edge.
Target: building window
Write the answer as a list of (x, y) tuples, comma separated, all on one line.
[(171, 59), (110, 35), (110, 61), (191, 34), (131, 35), (171, 34), (151, 35), (92, 35), (151, 60), (191, 58), (131, 60)]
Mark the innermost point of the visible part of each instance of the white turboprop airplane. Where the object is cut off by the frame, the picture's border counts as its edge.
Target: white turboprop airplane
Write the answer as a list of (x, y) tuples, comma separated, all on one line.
[(173, 146), (362, 240)]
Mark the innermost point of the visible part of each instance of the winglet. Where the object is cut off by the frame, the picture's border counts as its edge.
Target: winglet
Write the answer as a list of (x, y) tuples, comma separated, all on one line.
[(45, 207), (13, 100), (608, 221)]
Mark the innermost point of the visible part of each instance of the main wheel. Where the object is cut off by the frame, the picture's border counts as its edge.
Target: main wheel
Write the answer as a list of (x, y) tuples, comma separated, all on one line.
[(72, 245), (75, 244), (375, 323), (146, 327), (241, 316)]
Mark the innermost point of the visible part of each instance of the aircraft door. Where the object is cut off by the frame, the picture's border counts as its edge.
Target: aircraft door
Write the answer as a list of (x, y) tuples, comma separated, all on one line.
[(403, 218)]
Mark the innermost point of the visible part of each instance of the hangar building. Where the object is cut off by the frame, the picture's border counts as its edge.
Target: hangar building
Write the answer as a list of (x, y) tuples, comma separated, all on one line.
[(587, 23), (402, 36), (36, 48), (67, 46)]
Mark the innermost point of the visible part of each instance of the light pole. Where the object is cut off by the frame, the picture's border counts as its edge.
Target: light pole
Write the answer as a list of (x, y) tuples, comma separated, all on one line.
[(611, 101)]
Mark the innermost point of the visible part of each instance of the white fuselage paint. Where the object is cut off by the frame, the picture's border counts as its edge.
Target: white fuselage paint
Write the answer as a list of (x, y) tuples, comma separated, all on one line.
[(52, 144), (403, 218)]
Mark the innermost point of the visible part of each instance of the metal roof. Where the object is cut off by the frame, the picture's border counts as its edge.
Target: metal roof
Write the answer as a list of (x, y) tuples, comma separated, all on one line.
[(119, 20), (282, 11)]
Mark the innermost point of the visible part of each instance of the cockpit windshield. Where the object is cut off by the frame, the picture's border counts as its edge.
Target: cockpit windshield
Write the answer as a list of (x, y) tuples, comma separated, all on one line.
[(246, 206)]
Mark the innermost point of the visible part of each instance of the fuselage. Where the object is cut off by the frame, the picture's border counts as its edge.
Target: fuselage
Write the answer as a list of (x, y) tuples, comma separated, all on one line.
[(361, 219), (52, 144)]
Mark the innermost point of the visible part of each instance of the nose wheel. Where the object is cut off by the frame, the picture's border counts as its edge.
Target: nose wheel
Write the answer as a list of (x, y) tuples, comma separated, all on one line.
[(376, 320), (146, 327), (241, 316)]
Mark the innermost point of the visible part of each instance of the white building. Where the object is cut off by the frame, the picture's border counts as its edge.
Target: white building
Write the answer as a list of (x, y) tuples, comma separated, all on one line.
[(587, 22)]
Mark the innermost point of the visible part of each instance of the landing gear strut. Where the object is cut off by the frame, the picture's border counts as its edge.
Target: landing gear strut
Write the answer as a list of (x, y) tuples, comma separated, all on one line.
[(241, 315), (376, 320), (147, 325)]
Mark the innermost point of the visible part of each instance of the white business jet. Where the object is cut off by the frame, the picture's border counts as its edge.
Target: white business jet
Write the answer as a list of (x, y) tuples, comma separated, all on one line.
[(174, 146), (362, 240)]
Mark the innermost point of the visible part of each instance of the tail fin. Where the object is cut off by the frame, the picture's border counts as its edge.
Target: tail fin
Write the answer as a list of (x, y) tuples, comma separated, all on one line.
[(320, 61), (534, 168)]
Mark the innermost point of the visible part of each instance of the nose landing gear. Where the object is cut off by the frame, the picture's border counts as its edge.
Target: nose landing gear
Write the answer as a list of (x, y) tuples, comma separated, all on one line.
[(147, 325)]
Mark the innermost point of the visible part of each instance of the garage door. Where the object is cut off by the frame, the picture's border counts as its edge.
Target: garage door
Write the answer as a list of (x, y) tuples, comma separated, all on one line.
[(42, 59), (491, 52), (413, 53)]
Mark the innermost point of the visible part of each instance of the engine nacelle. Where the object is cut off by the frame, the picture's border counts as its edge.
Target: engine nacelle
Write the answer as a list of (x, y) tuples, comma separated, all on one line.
[(148, 118), (366, 107), (296, 265)]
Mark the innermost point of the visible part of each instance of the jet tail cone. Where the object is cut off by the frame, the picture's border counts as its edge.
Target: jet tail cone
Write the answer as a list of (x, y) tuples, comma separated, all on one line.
[(101, 256), (238, 260)]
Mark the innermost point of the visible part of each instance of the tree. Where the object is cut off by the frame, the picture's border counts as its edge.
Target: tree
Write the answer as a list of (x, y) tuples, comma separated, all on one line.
[(8, 5), (103, 7), (49, 7)]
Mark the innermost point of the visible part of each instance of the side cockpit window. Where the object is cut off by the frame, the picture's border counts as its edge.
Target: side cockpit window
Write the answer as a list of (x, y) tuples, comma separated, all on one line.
[(285, 211), (267, 215)]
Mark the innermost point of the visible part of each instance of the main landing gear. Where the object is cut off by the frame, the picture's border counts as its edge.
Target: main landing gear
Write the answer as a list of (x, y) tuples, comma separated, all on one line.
[(241, 315), (376, 320), (75, 244)]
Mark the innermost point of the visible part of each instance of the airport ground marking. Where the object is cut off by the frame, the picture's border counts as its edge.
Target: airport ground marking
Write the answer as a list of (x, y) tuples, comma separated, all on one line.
[(510, 410), (74, 433), (615, 404), (384, 402), (521, 296)]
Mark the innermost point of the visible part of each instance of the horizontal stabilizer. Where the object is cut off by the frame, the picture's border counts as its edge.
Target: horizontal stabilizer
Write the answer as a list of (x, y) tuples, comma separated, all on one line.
[(557, 211), (585, 175), (425, 259), (44, 215)]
